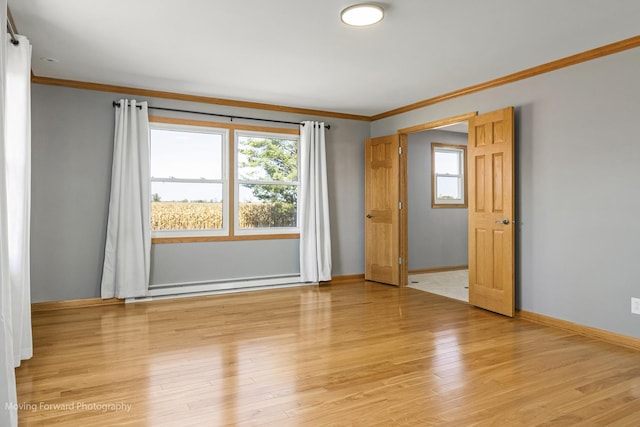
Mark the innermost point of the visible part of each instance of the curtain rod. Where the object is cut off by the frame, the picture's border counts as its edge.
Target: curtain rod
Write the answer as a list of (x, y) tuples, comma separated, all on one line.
[(12, 33), (116, 104)]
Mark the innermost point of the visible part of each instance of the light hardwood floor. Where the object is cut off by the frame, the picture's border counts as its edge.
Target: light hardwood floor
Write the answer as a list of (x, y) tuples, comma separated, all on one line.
[(359, 354)]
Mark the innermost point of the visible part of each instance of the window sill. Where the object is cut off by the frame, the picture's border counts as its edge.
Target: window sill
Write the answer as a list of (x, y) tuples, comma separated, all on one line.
[(196, 239), (449, 205)]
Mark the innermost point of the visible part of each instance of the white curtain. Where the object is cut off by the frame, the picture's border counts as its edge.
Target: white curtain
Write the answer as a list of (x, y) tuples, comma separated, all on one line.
[(8, 399), (315, 231), (15, 213), (127, 253), (18, 158)]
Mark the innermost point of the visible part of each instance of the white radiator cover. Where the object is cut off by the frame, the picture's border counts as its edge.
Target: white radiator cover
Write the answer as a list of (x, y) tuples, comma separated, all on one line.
[(189, 289)]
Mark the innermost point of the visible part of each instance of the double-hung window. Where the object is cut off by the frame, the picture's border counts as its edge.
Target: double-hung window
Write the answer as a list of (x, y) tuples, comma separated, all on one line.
[(266, 190), (215, 181), (189, 181), (448, 181)]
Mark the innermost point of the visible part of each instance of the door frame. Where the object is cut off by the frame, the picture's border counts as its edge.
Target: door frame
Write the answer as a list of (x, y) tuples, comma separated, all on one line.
[(404, 220)]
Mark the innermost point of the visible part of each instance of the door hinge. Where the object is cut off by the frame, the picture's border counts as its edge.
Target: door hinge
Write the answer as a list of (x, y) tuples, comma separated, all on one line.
[(399, 205), (399, 150), (400, 260)]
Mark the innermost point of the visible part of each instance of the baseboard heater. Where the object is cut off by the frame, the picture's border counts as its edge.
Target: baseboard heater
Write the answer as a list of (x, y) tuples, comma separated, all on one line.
[(212, 287)]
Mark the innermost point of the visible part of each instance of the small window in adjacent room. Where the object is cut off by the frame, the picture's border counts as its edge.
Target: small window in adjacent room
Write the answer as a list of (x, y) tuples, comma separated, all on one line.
[(188, 181), (266, 183), (448, 180)]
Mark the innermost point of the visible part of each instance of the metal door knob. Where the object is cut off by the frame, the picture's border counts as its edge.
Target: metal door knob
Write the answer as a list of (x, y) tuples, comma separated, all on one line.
[(504, 221), (369, 216)]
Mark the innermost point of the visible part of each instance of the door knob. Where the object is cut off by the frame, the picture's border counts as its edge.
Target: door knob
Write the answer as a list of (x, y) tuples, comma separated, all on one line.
[(369, 216), (504, 221)]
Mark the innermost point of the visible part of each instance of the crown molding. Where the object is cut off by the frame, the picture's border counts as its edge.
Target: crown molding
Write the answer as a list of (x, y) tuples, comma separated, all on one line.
[(191, 98), (585, 56), (568, 61)]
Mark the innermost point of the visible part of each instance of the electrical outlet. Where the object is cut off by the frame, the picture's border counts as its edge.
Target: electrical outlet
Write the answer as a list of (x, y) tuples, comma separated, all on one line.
[(635, 305)]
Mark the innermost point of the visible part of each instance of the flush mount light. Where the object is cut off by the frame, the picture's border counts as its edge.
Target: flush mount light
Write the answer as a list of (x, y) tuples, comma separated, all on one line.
[(361, 15)]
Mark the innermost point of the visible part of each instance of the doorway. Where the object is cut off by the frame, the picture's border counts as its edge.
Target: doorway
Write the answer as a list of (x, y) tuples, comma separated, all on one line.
[(437, 212), (491, 172)]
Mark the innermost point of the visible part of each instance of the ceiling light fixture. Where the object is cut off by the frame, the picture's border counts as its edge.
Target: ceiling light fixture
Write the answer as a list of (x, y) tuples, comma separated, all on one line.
[(361, 15)]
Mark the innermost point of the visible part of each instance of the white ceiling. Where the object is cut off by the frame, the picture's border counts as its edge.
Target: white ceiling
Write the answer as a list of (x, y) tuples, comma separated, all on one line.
[(297, 52)]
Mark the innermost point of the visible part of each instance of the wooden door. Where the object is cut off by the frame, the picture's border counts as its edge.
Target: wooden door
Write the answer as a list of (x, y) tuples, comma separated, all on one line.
[(491, 211), (384, 198)]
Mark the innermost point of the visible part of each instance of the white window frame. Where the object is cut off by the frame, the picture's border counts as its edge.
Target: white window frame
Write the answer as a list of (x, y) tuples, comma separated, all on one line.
[(461, 151), (224, 181), (237, 182)]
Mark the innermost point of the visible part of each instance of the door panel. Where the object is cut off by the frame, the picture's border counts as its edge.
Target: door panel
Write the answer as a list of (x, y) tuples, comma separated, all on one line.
[(382, 222), (491, 211)]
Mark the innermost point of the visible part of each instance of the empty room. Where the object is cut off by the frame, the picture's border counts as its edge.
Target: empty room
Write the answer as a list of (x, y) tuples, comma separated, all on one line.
[(303, 213)]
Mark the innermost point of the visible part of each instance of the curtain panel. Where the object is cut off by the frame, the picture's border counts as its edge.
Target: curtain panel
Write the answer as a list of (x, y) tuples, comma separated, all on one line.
[(315, 230), (15, 216), (127, 255), (18, 158)]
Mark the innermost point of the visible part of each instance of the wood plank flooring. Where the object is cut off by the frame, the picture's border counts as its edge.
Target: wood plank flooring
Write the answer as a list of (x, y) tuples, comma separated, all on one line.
[(359, 354)]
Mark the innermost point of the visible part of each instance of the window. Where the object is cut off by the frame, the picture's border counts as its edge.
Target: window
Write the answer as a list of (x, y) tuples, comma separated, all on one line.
[(448, 181), (266, 183), (215, 181), (189, 184)]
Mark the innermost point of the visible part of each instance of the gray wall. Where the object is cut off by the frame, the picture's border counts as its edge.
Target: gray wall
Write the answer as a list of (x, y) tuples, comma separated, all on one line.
[(437, 237), (72, 143), (204, 261), (577, 157)]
